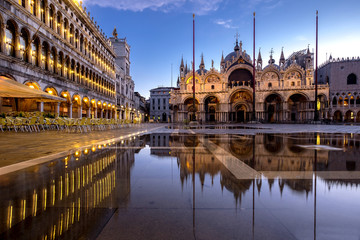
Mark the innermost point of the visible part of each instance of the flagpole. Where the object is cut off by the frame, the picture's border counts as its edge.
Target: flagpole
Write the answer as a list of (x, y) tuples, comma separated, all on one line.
[(316, 117), (254, 101), (194, 110)]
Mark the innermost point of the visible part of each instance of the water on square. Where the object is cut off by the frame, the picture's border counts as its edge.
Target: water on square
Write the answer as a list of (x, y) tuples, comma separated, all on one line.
[(191, 186)]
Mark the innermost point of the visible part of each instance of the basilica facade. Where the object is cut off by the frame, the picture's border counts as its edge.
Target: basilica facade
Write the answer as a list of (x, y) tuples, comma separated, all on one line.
[(283, 92)]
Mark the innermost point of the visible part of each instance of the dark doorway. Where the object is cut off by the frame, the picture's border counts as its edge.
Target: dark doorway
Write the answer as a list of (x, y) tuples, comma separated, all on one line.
[(271, 110), (212, 114), (240, 116), (164, 117)]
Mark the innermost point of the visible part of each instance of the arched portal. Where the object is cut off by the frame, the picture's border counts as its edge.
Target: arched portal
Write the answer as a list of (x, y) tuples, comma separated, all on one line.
[(240, 103), (211, 106), (273, 108), (241, 113), (189, 108), (297, 107), (349, 116), (338, 116)]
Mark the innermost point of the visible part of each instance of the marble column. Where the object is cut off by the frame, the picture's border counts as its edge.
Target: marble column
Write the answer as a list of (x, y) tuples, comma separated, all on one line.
[(41, 106)]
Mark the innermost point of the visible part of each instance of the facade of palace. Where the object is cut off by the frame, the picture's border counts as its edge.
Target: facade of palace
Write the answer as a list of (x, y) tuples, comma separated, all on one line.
[(160, 104), (55, 46), (342, 76), (284, 92)]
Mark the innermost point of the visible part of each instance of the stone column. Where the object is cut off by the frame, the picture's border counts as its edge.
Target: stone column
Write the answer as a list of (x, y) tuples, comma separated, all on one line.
[(88, 115), (57, 110), (41, 106), (3, 44), (17, 45), (80, 111), (47, 17), (102, 113), (70, 110), (95, 112)]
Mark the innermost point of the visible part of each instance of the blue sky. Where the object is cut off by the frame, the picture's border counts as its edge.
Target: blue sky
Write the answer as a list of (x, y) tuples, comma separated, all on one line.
[(160, 31)]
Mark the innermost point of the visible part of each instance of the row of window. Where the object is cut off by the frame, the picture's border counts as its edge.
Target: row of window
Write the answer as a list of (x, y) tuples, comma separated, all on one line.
[(62, 26), (48, 58)]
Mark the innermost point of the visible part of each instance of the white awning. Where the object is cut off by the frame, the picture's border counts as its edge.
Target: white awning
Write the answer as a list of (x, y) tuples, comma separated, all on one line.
[(12, 89)]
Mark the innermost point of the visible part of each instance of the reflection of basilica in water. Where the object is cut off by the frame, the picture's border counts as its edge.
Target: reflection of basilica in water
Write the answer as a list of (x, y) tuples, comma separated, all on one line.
[(264, 153)]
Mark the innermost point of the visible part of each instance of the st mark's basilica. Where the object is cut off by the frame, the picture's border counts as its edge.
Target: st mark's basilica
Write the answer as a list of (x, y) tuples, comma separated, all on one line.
[(284, 92)]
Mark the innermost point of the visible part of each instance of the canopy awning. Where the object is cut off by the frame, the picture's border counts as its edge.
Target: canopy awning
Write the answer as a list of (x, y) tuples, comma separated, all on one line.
[(12, 89)]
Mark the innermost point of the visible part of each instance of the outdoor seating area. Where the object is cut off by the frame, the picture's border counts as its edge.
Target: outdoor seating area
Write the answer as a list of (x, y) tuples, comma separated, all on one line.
[(37, 121)]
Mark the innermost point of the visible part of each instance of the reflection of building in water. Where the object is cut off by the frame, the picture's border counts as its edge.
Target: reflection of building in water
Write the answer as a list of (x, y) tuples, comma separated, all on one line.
[(160, 144), (285, 153), (69, 198), (57, 198)]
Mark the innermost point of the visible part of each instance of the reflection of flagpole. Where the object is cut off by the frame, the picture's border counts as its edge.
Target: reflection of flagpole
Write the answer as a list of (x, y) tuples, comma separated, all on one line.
[(316, 116), (193, 185), (315, 187), (253, 207), (194, 116), (254, 113)]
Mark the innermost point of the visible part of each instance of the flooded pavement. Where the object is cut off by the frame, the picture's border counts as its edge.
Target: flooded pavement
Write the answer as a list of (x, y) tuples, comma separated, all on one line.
[(191, 186)]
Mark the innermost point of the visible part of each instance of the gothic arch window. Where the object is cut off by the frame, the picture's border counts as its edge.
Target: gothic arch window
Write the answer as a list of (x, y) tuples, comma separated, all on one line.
[(22, 3), (10, 34), (33, 9), (24, 45), (35, 52), (58, 24), (53, 60), (72, 71), (269, 85), (60, 63), (71, 34), (66, 29), (44, 55), (351, 79), (334, 102), (42, 10), (76, 38), (51, 17)]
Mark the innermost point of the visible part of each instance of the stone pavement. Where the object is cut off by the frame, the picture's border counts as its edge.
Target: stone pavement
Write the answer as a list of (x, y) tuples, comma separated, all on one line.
[(20, 147)]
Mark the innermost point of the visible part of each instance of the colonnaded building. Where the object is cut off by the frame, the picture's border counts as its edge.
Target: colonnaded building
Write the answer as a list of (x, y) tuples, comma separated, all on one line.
[(55, 46), (284, 92)]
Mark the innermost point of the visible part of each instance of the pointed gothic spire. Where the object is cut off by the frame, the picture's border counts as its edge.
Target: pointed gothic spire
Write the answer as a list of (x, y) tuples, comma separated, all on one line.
[(202, 64), (308, 51), (282, 59), (282, 54), (259, 57), (222, 57), (182, 61)]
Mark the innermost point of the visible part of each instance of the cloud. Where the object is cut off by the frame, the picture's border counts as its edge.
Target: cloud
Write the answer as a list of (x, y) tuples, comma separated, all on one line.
[(225, 23), (199, 7)]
